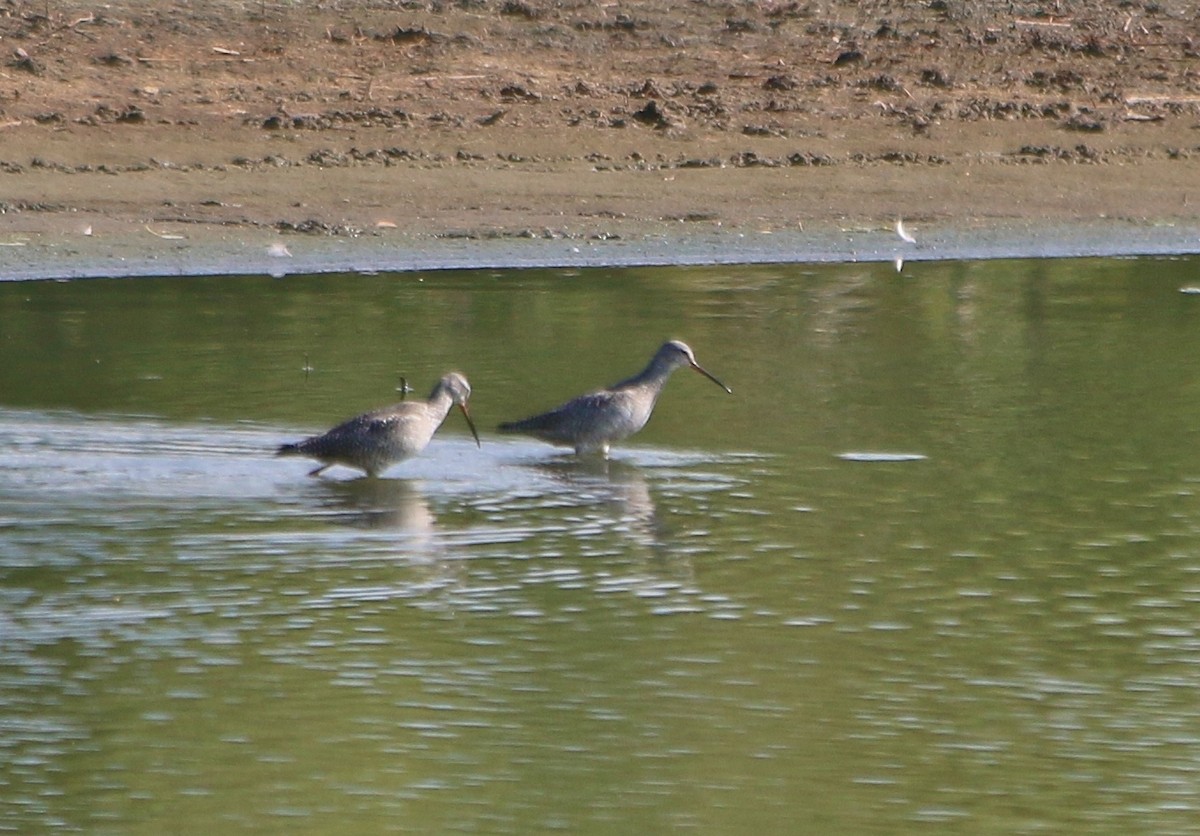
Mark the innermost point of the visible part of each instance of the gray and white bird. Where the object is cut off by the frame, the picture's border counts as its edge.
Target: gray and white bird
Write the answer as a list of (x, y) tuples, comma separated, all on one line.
[(376, 440), (593, 422)]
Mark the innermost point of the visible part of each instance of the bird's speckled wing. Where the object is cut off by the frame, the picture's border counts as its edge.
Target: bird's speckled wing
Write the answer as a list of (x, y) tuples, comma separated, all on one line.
[(600, 414), (373, 430)]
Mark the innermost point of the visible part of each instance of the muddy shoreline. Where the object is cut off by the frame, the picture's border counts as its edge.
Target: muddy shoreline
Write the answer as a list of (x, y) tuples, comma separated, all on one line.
[(56, 257), (231, 136)]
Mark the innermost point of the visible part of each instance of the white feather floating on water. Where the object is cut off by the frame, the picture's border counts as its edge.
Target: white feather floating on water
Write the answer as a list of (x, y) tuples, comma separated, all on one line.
[(865, 456)]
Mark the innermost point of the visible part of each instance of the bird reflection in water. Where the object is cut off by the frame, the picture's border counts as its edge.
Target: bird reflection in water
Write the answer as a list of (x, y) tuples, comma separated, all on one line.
[(398, 504), (617, 484), (393, 542)]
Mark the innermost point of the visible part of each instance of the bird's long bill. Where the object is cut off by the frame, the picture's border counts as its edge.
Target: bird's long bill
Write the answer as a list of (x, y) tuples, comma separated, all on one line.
[(470, 423), (705, 372)]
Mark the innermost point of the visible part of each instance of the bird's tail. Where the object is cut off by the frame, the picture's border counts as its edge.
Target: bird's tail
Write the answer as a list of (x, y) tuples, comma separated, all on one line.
[(525, 425), (288, 450)]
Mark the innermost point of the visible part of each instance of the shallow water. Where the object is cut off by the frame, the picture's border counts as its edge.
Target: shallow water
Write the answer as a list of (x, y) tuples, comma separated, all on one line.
[(935, 565)]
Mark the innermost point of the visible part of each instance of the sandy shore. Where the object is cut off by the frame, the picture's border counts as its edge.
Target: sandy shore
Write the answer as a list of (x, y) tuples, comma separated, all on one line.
[(235, 136)]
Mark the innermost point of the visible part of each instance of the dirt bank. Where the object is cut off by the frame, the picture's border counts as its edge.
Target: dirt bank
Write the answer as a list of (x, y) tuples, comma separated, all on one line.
[(131, 126)]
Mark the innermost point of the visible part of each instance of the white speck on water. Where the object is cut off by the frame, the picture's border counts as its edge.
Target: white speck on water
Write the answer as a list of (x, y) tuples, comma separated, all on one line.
[(863, 456)]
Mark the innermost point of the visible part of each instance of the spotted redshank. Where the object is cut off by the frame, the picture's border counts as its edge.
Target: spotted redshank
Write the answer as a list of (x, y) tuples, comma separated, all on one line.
[(376, 440), (593, 422)]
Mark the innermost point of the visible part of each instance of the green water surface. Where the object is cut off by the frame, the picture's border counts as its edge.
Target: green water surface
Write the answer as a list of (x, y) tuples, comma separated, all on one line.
[(934, 566)]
